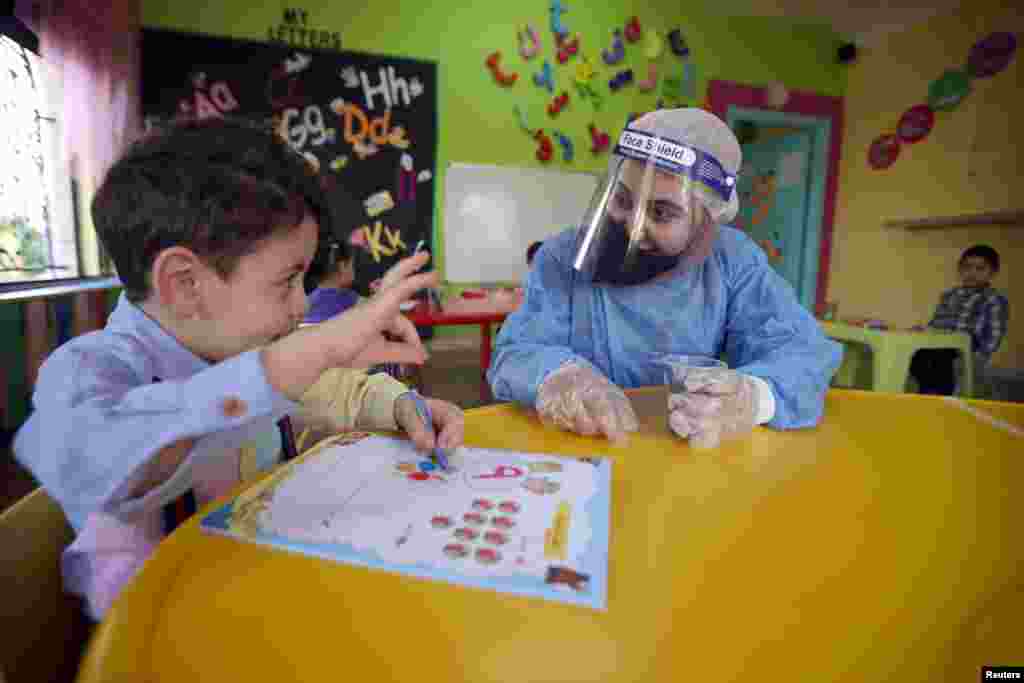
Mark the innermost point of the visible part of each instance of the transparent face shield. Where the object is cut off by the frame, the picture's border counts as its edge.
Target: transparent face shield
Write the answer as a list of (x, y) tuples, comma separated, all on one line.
[(657, 195)]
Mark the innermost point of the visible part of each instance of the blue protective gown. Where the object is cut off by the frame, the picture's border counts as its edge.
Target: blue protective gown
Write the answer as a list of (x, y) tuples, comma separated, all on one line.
[(733, 305)]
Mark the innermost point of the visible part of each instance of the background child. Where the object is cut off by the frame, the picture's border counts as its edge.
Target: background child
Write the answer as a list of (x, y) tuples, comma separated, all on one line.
[(334, 294), (974, 307), (212, 226)]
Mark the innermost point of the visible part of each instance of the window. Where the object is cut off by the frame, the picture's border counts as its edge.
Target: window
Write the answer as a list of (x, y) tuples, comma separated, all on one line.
[(37, 228)]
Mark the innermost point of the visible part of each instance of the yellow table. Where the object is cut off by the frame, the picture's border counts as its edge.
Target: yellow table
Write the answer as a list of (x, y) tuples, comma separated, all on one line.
[(892, 351), (885, 542)]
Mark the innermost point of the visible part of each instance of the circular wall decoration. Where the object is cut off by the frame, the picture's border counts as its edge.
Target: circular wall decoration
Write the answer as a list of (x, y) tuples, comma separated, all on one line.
[(991, 54), (883, 151), (949, 90), (915, 124)]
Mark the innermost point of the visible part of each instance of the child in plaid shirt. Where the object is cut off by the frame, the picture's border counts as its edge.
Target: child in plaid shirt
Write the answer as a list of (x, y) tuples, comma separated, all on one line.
[(975, 308)]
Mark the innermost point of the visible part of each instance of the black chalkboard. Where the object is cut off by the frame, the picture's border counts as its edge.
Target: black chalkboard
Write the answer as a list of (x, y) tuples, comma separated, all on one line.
[(369, 121)]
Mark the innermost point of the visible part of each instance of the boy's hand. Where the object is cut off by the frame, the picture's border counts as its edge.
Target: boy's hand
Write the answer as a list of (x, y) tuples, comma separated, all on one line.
[(355, 338), (448, 423), (357, 335)]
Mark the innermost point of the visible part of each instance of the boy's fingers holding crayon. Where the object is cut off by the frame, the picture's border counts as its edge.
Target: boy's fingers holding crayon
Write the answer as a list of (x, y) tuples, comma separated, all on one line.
[(410, 422), (449, 423)]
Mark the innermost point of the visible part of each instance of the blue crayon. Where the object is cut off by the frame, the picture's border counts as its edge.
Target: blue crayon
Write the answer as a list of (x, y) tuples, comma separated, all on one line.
[(424, 412)]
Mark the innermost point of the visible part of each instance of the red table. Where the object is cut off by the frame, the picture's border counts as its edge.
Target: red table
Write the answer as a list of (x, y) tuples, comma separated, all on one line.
[(482, 312)]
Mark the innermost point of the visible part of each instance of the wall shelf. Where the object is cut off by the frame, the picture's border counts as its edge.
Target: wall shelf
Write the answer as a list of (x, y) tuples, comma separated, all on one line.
[(1008, 217)]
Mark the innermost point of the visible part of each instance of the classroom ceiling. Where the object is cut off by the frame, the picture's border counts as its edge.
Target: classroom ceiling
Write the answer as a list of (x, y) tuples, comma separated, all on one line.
[(863, 22)]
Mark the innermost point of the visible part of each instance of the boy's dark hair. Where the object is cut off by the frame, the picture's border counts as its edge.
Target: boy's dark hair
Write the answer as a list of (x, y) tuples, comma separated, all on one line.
[(983, 251), (531, 251), (217, 187)]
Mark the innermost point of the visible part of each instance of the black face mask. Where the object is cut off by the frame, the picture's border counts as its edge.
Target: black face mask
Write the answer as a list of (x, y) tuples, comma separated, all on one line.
[(643, 266)]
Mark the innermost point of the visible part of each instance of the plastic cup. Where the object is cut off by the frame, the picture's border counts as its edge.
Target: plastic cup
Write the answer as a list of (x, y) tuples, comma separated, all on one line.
[(678, 367), (675, 369)]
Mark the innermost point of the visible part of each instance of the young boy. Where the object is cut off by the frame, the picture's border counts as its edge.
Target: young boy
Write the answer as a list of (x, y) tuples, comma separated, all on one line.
[(211, 226), (334, 294), (974, 307)]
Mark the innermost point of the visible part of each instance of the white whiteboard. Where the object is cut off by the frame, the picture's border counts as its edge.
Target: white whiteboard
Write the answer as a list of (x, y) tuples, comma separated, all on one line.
[(493, 213)]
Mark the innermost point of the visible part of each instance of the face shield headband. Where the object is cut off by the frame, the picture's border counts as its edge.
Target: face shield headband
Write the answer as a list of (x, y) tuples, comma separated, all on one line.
[(643, 211)]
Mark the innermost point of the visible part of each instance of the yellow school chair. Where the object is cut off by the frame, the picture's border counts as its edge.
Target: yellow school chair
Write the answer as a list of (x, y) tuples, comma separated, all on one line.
[(44, 628)]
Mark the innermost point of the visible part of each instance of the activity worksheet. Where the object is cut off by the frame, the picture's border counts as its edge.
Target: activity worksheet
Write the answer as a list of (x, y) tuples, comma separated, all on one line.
[(521, 523)]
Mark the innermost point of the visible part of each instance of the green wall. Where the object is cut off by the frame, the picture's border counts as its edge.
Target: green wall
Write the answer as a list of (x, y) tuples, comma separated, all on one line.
[(477, 123), (476, 119)]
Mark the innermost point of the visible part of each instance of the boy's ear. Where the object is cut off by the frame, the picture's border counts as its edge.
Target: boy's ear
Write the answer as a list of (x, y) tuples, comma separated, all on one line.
[(176, 275)]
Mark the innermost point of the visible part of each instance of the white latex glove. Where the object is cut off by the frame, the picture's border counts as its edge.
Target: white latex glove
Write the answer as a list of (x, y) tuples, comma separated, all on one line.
[(719, 404), (580, 400)]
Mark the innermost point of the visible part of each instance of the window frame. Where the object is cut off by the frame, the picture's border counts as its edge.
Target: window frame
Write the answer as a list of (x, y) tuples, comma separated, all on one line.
[(64, 199)]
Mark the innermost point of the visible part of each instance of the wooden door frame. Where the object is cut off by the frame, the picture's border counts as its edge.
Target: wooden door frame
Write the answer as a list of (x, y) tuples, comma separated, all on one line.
[(729, 100)]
